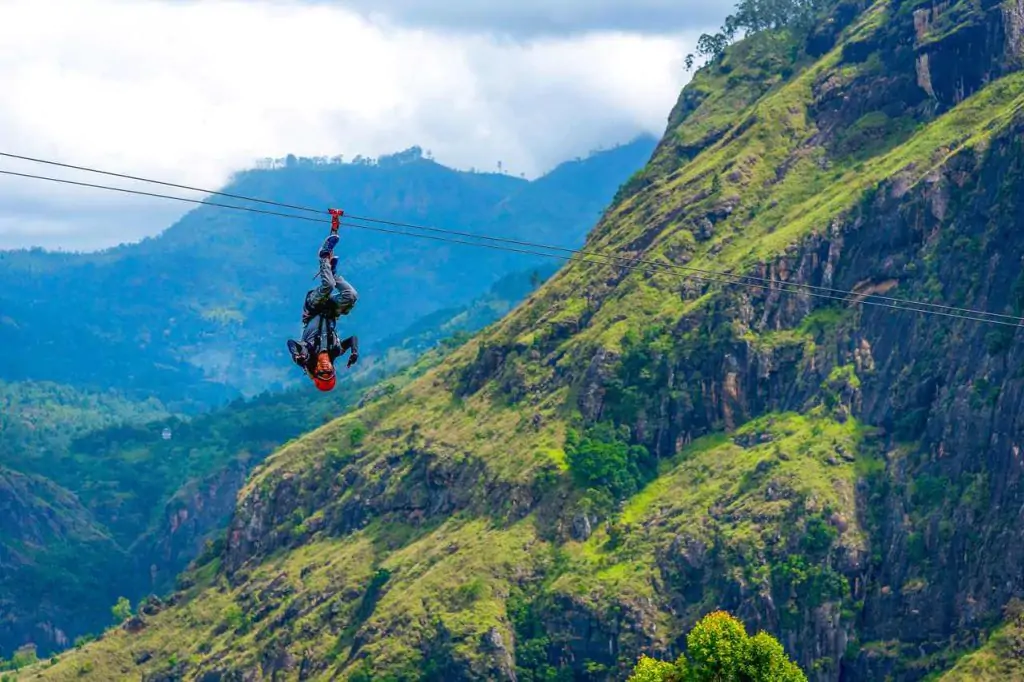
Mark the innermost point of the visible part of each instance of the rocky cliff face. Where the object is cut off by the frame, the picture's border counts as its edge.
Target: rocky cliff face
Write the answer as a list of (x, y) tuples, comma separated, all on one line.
[(635, 446), (190, 520)]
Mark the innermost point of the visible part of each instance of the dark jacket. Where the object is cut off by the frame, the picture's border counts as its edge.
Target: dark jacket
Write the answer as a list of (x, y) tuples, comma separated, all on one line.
[(325, 336)]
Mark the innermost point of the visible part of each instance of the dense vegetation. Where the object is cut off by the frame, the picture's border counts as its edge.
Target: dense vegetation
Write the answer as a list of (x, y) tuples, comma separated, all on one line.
[(38, 419), (719, 649), (630, 450)]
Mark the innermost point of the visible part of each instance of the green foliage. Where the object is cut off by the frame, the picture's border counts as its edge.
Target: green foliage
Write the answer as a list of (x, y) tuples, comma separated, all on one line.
[(366, 607), (984, 394), (812, 584), (928, 492), (818, 535), (718, 649), (236, 620), (767, 660), (452, 327), (122, 610), (364, 673), (872, 134), (40, 420), (533, 663), (82, 640), (470, 592), (652, 670), (24, 657), (999, 340), (604, 461), (754, 16), (357, 435)]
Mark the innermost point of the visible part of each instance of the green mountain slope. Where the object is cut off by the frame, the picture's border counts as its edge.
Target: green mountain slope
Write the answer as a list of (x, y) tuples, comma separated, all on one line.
[(630, 449), (141, 324)]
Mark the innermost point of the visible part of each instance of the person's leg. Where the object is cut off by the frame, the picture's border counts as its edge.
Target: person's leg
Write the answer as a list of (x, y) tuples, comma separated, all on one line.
[(341, 293), (345, 295), (322, 293), (327, 248)]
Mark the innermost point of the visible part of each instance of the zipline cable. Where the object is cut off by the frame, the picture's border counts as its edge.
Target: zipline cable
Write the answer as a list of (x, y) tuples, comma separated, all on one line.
[(159, 196), (516, 242), (661, 267), (161, 182)]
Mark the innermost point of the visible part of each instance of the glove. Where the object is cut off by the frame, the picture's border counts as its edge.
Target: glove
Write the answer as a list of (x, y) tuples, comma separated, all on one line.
[(352, 359)]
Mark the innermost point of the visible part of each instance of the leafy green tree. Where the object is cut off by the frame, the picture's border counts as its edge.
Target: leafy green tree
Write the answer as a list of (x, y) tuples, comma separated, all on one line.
[(652, 670), (604, 461), (767, 660), (24, 657), (753, 16), (122, 610), (719, 650), (717, 647)]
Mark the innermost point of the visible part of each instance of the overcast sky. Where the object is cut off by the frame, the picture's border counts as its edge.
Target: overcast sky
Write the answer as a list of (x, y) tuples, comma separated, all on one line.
[(190, 91)]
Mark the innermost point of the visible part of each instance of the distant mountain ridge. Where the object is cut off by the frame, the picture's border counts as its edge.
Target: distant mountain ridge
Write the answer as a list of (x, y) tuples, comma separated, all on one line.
[(199, 314)]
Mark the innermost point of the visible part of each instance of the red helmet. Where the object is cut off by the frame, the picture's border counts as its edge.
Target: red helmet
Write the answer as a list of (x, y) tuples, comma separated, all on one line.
[(325, 384), (324, 376)]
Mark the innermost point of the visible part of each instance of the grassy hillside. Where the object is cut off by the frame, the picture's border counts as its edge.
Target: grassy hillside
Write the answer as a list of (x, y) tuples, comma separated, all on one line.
[(631, 449), (998, 658)]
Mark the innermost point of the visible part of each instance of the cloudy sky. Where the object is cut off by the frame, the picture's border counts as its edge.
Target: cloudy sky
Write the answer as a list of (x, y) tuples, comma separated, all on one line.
[(189, 91)]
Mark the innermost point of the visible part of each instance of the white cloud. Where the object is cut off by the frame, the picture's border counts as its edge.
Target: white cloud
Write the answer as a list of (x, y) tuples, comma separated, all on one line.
[(189, 92), (526, 18)]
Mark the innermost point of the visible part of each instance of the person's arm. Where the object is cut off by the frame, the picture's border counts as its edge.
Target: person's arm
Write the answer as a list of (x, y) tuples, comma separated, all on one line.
[(351, 343)]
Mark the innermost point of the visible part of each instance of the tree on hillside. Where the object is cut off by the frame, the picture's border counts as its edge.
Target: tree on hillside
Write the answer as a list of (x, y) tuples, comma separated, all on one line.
[(22, 658), (718, 649), (122, 610), (753, 16)]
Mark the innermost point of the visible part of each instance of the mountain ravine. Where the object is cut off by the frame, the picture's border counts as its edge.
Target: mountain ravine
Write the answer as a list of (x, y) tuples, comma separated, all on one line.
[(630, 449)]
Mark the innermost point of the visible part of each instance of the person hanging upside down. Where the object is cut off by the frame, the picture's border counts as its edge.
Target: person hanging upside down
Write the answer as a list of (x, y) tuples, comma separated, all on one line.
[(319, 347)]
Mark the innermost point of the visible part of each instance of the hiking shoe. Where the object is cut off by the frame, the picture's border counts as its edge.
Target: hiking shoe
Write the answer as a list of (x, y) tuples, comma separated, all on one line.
[(327, 250)]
